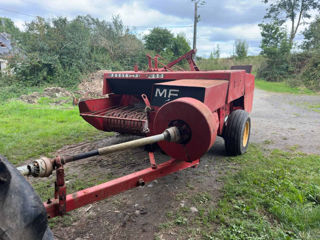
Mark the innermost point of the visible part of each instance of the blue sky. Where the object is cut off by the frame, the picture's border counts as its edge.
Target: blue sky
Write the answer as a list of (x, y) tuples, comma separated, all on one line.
[(221, 22)]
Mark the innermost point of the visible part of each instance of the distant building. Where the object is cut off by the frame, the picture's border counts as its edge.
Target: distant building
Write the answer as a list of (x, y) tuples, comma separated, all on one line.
[(3, 64), (5, 50)]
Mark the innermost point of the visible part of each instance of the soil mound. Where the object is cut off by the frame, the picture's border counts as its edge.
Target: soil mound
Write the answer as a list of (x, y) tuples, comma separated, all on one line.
[(91, 86), (57, 94)]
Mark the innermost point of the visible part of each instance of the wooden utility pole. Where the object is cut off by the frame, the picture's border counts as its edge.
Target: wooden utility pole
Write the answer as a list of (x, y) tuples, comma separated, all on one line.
[(195, 21)]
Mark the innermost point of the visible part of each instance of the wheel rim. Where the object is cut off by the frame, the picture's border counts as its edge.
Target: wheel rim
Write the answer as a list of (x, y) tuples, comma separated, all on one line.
[(246, 134)]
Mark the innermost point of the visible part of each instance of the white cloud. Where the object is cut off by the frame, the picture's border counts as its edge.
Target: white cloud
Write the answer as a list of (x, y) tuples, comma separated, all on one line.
[(136, 14), (19, 23), (141, 17)]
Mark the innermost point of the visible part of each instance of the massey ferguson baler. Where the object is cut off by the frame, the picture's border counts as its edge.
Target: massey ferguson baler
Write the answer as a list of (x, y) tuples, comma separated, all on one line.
[(180, 111)]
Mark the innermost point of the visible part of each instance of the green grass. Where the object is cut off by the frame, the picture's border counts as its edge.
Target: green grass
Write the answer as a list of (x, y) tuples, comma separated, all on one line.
[(273, 195), (28, 131), (281, 87), (314, 107)]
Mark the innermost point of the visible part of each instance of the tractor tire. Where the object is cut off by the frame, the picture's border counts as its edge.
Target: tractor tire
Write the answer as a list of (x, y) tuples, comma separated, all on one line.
[(22, 214), (237, 132)]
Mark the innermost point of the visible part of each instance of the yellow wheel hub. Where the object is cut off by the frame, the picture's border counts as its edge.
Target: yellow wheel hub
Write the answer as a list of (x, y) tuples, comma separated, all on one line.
[(245, 137)]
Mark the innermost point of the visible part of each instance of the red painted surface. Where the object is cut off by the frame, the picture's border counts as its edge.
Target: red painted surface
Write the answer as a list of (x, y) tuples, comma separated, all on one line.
[(249, 90), (113, 187), (225, 91), (198, 117)]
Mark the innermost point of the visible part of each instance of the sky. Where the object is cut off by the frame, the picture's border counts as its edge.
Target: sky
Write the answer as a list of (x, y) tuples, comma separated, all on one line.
[(221, 22)]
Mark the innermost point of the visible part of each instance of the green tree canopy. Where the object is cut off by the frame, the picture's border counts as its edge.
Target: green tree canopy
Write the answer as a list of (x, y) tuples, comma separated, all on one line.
[(7, 26), (276, 47), (312, 35), (179, 45), (215, 54), (241, 48), (60, 50), (296, 11), (162, 41), (159, 39)]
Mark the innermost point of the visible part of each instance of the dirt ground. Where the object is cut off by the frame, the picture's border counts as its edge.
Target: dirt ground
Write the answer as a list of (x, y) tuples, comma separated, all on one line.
[(278, 121)]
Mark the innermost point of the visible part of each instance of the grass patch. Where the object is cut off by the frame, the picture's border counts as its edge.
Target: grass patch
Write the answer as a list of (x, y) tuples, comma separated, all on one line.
[(314, 107), (281, 87), (274, 195), (28, 131)]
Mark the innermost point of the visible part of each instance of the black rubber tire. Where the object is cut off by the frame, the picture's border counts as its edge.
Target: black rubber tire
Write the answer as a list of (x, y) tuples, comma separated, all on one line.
[(22, 214), (234, 132)]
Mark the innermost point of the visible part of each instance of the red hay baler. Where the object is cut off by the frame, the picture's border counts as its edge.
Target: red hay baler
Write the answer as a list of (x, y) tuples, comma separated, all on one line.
[(148, 102), (180, 111)]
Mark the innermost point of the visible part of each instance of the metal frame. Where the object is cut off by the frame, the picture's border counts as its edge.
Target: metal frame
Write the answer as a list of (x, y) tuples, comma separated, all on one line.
[(188, 56), (63, 203)]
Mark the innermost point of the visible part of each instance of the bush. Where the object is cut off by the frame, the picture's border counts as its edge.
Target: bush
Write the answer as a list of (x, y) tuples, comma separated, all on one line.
[(226, 63), (58, 51), (311, 73), (11, 88)]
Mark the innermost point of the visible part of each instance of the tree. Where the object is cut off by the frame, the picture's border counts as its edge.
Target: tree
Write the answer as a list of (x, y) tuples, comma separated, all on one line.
[(296, 11), (215, 54), (241, 47), (163, 42), (7, 26), (275, 47), (179, 46), (158, 40), (312, 36), (58, 51)]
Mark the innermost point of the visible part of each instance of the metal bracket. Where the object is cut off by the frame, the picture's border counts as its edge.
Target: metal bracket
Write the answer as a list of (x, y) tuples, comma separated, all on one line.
[(152, 160), (60, 192), (146, 102)]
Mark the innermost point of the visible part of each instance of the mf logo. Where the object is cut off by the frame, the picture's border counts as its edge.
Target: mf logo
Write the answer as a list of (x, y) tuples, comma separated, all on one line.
[(166, 93)]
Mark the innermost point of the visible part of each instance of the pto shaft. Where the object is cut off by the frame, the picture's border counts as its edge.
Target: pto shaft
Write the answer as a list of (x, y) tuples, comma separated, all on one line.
[(43, 167)]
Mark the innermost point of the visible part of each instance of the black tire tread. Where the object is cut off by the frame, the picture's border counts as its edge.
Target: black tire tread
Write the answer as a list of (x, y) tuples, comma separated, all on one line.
[(23, 215), (233, 132)]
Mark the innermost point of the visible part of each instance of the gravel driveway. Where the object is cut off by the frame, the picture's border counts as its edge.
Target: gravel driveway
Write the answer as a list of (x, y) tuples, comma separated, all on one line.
[(286, 121)]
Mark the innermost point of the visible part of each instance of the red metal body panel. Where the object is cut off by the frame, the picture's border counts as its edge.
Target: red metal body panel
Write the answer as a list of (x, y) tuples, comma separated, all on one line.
[(248, 92), (113, 187), (236, 85), (96, 105), (215, 91), (222, 88), (198, 117)]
